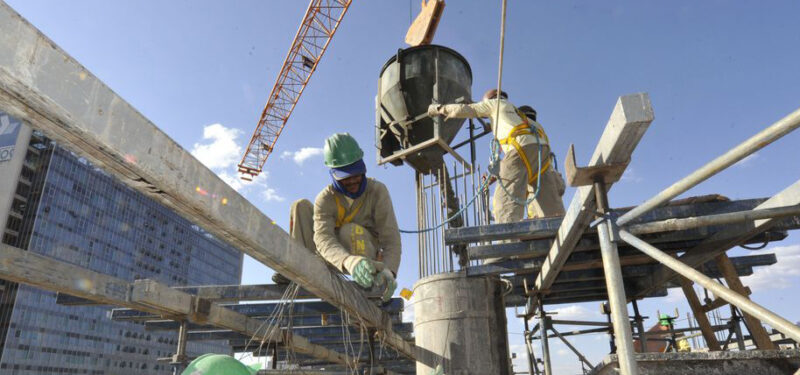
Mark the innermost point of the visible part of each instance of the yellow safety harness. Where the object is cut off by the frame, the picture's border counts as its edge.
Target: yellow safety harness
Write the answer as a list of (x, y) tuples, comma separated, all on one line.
[(342, 217), (522, 129)]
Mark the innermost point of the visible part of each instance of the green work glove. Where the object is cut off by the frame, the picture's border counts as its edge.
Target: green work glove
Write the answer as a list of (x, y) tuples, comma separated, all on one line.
[(362, 270), (386, 280), (438, 370)]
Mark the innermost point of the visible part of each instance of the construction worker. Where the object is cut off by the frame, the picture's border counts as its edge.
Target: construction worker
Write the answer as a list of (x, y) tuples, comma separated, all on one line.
[(352, 222), (519, 169), (551, 198)]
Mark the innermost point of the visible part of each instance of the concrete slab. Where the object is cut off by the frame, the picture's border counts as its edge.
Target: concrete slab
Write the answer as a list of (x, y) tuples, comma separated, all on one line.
[(761, 362)]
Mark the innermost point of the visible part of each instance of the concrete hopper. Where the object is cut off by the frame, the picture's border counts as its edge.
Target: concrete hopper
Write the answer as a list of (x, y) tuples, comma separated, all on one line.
[(409, 82)]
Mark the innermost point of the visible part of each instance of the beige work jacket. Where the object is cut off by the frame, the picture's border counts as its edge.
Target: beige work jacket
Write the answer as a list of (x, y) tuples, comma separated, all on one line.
[(488, 108), (376, 215)]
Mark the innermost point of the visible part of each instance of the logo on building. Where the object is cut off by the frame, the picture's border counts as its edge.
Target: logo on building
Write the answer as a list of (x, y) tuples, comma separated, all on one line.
[(9, 130)]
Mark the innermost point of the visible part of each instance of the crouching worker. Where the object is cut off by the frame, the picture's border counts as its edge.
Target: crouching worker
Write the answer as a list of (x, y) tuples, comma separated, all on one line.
[(352, 222)]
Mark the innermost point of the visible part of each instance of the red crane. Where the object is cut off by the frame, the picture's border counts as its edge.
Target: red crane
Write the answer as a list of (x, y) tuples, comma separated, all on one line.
[(319, 24)]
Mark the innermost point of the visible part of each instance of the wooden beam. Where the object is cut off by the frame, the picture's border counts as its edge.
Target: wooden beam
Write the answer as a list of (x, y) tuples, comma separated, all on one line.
[(29, 268), (699, 315), (760, 335), (629, 121), (42, 85)]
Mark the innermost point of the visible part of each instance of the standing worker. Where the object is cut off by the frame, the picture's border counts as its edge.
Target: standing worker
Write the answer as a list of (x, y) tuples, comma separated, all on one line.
[(519, 169), (352, 222)]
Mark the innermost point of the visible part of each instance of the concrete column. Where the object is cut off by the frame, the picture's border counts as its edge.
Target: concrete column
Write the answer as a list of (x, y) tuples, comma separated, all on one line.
[(460, 323)]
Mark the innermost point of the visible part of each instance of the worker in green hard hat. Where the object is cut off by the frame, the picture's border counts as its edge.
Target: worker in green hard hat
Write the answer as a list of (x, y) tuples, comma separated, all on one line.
[(219, 364), (352, 222)]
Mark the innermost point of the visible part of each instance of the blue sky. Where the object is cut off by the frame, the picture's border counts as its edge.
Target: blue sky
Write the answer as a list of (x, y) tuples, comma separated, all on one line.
[(717, 72)]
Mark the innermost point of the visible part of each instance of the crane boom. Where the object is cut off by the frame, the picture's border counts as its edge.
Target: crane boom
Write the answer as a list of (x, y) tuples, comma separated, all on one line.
[(319, 24)]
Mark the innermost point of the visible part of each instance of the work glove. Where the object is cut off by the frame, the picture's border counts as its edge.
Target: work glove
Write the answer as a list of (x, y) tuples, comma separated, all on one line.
[(433, 110), (437, 371), (384, 279), (361, 269)]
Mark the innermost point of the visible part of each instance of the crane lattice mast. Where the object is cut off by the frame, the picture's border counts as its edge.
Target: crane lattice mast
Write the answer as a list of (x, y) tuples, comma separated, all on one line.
[(319, 24)]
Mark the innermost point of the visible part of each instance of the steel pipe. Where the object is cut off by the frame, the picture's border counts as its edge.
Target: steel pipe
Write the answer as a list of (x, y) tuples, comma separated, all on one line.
[(755, 143), (574, 350), (784, 326), (708, 220), (543, 322), (614, 284)]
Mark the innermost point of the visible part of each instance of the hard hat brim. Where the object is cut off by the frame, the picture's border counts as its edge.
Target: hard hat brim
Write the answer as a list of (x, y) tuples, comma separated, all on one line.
[(349, 170)]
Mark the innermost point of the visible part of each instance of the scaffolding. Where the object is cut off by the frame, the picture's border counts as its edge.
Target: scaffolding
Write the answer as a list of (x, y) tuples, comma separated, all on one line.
[(630, 253)]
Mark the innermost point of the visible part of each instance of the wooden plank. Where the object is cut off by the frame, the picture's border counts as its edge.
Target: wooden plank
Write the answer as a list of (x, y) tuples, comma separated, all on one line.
[(699, 315), (722, 241), (42, 85), (629, 121), (760, 335), (26, 267), (423, 28)]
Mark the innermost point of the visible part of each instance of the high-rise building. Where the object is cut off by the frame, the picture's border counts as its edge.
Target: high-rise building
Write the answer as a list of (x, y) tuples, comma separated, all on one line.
[(57, 204)]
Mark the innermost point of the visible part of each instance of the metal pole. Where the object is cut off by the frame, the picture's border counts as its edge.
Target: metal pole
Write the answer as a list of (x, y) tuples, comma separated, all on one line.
[(548, 369), (532, 368), (179, 359), (640, 327), (737, 327), (702, 221), (567, 343), (784, 326), (755, 143), (616, 289)]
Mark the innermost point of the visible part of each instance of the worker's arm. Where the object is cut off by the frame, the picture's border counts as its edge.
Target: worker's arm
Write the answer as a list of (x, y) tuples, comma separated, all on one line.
[(479, 109), (325, 238), (386, 226)]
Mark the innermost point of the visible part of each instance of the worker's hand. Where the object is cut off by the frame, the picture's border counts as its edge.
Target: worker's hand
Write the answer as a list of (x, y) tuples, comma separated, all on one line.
[(362, 270), (433, 110), (437, 371), (386, 280)]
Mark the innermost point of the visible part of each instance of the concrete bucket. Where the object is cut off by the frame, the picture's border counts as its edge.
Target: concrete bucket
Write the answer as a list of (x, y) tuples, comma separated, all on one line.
[(409, 82)]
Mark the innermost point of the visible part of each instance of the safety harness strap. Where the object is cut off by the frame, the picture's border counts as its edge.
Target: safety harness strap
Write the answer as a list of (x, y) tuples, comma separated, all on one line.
[(342, 217), (522, 129)]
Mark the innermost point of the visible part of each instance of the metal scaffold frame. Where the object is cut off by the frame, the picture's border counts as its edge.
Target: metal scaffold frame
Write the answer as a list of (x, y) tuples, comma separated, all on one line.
[(612, 230)]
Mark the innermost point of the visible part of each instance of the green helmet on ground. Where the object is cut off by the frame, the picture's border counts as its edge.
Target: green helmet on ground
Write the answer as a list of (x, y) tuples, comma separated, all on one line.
[(341, 149), (219, 364)]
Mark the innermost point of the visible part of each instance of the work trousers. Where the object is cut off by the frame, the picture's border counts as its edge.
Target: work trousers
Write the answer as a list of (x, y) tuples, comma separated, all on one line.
[(353, 237), (514, 176)]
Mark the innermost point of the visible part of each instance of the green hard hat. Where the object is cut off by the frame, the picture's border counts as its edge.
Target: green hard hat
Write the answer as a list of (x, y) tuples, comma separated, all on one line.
[(664, 319), (219, 364), (341, 149)]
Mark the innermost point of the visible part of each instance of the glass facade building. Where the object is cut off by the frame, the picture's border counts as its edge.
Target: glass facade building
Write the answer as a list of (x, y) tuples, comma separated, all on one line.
[(68, 209)]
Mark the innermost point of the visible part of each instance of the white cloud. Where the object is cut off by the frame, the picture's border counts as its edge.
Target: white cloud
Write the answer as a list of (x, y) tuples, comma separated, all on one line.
[(781, 275), (574, 312), (630, 175), (303, 154), (269, 194), (747, 161), (219, 151), (219, 148), (408, 313)]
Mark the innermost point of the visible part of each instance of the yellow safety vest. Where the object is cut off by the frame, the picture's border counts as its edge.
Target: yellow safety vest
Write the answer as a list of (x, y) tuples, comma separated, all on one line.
[(522, 129), (342, 217)]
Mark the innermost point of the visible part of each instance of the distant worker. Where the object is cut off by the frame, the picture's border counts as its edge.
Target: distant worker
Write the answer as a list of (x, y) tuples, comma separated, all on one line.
[(519, 169), (352, 222)]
